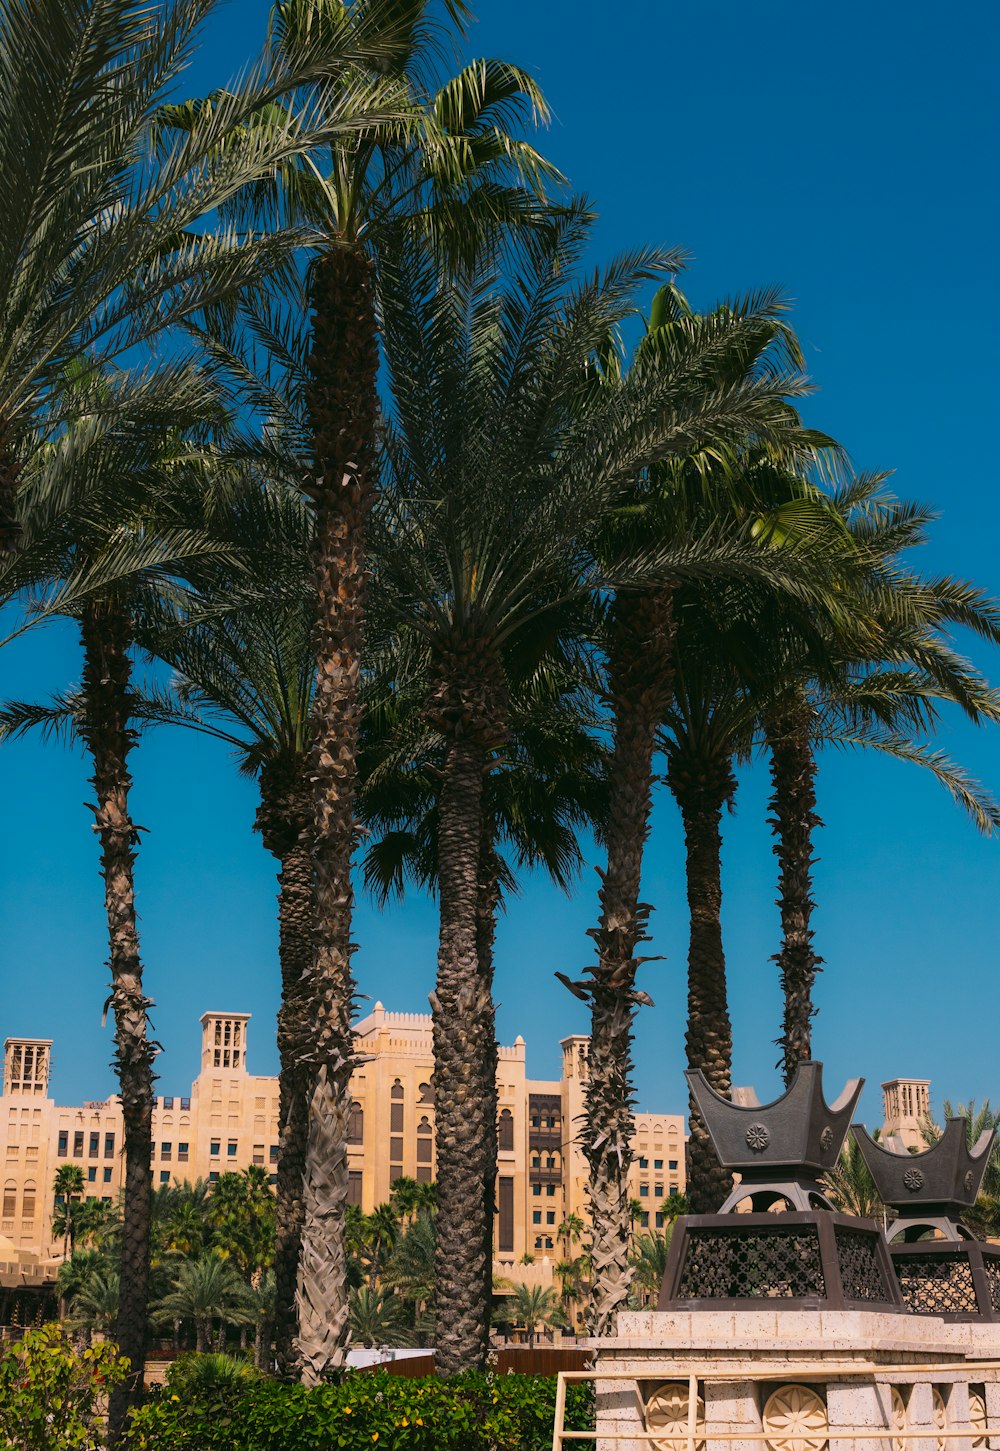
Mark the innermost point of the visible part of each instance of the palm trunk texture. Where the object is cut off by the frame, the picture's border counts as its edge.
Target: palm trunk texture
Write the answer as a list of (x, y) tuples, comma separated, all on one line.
[(701, 788), (109, 738), (793, 820), (641, 676), (343, 409), (284, 821), (487, 901)]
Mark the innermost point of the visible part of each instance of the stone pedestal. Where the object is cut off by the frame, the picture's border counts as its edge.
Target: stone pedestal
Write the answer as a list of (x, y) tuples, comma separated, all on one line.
[(909, 1376)]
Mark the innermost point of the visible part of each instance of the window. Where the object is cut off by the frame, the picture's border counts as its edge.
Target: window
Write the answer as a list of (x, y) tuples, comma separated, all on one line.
[(423, 1142), (164, 1176), (395, 1151), (550, 1163), (258, 1153), (95, 1144), (356, 1124), (272, 1178), (643, 1163), (9, 1199), (109, 1146), (424, 1175), (213, 1148), (505, 1206), (672, 1164), (107, 1176), (273, 1153), (536, 1162), (166, 1150), (396, 1091), (538, 1241), (550, 1190), (659, 1220), (548, 1242), (182, 1153), (396, 1118), (168, 1103), (550, 1217), (673, 1191), (185, 1105), (537, 1188), (28, 1200), (657, 1163), (425, 1093), (78, 1145), (63, 1148), (643, 1191), (535, 1121), (644, 1219), (536, 1216), (213, 1176), (505, 1133), (91, 1176), (658, 1191), (231, 1148)]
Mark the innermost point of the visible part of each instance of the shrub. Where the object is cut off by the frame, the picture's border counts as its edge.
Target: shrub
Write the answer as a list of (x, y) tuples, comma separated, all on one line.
[(52, 1395), (471, 1412)]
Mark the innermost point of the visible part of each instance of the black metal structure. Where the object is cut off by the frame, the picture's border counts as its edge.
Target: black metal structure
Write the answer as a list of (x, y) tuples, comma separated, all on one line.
[(778, 1149), (928, 1191)]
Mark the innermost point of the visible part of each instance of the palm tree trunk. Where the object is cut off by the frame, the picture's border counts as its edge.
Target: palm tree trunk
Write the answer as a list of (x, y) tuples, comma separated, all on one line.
[(793, 820), (284, 820), (109, 738), (464, 1098), (640, 670), (702, 787), (343, 409), (487, 902)]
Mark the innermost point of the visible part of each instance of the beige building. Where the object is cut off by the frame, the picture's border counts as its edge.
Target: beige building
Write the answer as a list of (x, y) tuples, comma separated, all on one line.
[(907, 1103), (230, 1120)]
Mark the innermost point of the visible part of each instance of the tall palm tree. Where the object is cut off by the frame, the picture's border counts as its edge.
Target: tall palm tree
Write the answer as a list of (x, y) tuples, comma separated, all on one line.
[(68, 1188), (499, 462)]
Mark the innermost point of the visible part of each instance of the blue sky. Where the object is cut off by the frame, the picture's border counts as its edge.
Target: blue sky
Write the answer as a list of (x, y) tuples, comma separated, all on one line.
[(844, 153)]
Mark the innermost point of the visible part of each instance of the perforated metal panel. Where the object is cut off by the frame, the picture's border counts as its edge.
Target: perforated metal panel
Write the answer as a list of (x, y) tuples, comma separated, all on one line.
[(936, 1284), (861, 1270), (721, 1265)]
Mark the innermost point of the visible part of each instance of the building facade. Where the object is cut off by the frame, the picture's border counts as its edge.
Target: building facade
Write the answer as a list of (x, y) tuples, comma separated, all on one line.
[(229, 1120), (907, 1103)]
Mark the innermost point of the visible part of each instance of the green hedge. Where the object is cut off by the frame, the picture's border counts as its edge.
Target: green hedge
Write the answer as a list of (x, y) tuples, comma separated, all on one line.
[(472, 1412)]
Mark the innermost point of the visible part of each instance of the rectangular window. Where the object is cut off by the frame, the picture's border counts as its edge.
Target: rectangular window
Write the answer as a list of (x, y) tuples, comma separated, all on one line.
[(168, 1103), (166, 1151), (91, 1176), (550, 1190), (231, 1148), (63, 1148), (550, 1217), (107, 1176), (536, 1189), (273, 1153), (95, 1144), (536, 1216), (396, 1118), (536, 1163), (673, 1191), (258, 1153), (505, 1204), (423, 1173), (538, 1241), (644, 1220), (424, 1149), (213, 1147), (354, 1187), (395, 1151), (78, 1145), (658, 1191), (272, 1178), (643, 1163), (109, 1146), (185, 1105), (657, 1163), (659, 1220), (643, 1191), (548, 1242), (182, 1153), (164, 1176), (672, 1164), (213, 1176)]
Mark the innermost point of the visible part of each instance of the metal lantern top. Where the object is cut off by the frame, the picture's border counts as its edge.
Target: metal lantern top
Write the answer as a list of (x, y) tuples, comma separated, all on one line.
[(931, 1188), (798, 1135)]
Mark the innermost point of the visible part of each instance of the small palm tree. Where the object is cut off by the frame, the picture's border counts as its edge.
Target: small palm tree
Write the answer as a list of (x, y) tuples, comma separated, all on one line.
[(649, 1258), (206, 1290), (377, 1318), (533, 1308), (95, 1304), (851, 1186), (68, 1188)]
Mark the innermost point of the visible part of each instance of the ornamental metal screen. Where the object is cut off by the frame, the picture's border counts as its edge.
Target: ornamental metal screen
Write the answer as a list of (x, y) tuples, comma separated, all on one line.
[(936, 1284), (723, 1265), (861, 1271)]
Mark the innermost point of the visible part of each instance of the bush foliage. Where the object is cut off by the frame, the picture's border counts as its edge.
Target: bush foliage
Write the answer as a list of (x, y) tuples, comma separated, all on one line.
[(471, 1412), (53, 1395)]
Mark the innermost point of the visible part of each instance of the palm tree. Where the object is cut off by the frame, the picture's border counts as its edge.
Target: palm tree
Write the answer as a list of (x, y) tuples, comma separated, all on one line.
[(451, 163), (94, 1306), (984, 1217), (241, 1210), (534, 1308), (68, 1188), (376, 1317), (206, 1290), (649, 1258), (851, 1186), (410, 1270), (494, 478)]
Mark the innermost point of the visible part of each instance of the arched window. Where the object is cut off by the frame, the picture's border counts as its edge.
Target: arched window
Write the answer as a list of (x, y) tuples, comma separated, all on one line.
[(356, 1124), (424, 1141), (28, 1200), (426, 1093), (9, 1199), (505, 1134), (396, 1090)]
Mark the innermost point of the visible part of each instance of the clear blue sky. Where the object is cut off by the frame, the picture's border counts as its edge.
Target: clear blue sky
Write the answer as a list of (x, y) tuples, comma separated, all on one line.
[(850, 154)]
